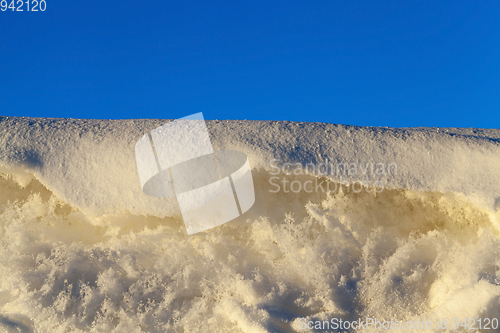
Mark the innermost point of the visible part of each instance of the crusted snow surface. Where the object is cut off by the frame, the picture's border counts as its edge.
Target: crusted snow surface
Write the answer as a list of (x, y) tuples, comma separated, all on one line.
[(82, 248)]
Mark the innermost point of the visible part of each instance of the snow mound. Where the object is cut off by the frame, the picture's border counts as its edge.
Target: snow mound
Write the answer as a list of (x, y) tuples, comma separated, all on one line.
[(82, 248)]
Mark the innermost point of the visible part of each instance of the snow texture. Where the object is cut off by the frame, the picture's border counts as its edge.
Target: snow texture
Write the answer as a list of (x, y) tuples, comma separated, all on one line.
[(82, 248)]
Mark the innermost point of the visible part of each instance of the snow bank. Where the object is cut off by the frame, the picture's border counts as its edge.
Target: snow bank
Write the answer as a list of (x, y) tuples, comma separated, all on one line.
[(83, 249), (91, 163)]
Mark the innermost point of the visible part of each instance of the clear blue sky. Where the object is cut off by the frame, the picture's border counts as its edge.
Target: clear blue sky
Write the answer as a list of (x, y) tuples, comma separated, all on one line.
[(374, 63)]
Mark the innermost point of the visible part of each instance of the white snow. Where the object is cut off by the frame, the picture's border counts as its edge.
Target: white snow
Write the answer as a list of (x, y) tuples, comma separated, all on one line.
[(82, 248)]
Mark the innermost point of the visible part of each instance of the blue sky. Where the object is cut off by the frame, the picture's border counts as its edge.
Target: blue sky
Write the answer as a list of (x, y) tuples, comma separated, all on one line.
[(370, 63)]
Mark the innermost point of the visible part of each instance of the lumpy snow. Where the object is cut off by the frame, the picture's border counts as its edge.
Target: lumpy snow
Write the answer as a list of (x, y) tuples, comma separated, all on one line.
[(83, 249)]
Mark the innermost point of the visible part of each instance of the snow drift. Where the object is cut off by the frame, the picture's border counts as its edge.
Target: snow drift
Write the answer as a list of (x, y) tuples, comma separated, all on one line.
[(84, 249)]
